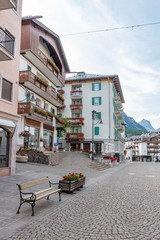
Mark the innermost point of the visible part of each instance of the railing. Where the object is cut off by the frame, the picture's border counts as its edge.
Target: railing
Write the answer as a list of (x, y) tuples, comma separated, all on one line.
[(30, 108), (6, 41), (76, 93), (76, 121), (25, 76), (76, 106), (75, 136), (48, 63)]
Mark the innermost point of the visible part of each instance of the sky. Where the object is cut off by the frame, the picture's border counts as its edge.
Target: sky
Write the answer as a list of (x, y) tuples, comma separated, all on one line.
[(131, 53)]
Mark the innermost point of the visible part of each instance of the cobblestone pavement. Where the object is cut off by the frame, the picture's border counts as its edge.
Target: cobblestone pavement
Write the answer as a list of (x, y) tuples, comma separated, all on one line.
[(119, 203)]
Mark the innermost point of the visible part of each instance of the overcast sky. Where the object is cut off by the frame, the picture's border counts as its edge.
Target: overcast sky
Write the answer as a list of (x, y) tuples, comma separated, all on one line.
[(132, 54)]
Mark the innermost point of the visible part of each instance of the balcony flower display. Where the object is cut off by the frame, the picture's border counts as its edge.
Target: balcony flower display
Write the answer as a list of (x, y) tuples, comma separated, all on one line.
[(72, 181)]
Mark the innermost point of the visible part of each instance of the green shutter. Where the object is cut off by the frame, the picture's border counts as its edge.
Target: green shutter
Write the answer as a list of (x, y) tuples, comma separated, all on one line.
[(96, 130), (29, 68), (92, 100), (100, 101), (99, 86), (99, 115), (92, 86)]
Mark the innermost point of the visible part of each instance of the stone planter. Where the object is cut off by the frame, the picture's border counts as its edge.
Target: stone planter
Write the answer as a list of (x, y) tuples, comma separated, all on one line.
[(21, 159), (70, 186)]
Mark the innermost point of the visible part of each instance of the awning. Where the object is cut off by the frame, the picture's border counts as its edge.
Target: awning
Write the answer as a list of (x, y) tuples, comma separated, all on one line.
[(7, 123)]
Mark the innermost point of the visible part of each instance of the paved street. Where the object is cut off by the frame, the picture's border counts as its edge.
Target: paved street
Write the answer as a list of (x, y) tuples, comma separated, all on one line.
[(118, 203)]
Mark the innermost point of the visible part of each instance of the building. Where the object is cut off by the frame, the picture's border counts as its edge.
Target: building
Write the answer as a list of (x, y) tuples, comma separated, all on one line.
[(43, 66), (10, 28), (143, 148), (93, 105)]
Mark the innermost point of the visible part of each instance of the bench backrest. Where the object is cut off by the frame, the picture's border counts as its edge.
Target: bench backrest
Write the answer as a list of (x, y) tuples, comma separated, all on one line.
[(33, 183)]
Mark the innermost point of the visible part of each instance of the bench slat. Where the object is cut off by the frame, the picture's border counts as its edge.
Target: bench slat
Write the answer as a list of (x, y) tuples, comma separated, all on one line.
[(42, 194), (34, 183)]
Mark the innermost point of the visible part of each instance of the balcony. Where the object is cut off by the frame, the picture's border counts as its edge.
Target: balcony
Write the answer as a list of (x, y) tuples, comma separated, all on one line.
[(6, 46), (75, 136), (45, 65), (35, 112), (118, 115), (7, 4), (40, 87), (76, 121), (119, 127), (61, 91), (76, 94), (76, 107)]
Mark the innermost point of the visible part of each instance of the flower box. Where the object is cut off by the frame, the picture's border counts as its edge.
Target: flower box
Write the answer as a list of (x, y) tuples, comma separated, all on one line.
[(21, 159), (70, 186)]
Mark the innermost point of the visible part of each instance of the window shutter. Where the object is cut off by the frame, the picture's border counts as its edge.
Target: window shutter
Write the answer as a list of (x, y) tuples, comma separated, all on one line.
[(92, 86), (29, 68), (100, 101), (99, 86), (96, 131), (92, 100), (99, 115)]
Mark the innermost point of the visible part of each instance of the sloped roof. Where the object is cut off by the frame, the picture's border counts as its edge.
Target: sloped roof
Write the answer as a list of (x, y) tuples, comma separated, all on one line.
[(81, 76), (56, 38)]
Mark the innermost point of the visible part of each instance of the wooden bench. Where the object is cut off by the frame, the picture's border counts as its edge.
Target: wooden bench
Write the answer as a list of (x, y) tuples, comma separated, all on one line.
[(31, 197)]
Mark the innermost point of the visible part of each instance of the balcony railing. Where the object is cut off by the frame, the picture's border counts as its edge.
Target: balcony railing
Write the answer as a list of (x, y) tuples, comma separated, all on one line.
[(75, 136), (34, 111), (40, 86), (6, 45), (76, 121), (76, 106), (76, 93)]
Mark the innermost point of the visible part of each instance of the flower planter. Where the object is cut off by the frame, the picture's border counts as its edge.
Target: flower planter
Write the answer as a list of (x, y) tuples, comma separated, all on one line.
[(70, 186), (22, 159)]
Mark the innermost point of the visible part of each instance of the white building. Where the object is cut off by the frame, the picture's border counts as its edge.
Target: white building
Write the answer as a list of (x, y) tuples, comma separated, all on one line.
[(85, 93)]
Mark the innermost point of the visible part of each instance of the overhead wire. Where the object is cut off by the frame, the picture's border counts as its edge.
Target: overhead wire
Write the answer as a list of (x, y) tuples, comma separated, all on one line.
[(112, 29)]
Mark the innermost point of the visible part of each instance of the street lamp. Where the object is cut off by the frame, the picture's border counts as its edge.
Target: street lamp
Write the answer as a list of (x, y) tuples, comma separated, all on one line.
[(94, 114)]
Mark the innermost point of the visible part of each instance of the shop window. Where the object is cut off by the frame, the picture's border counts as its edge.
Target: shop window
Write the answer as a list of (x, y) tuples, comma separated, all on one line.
[(4, 148)]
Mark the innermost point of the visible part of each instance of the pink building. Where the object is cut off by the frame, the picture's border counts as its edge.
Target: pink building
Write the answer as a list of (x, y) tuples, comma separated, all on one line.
[(10, 30)]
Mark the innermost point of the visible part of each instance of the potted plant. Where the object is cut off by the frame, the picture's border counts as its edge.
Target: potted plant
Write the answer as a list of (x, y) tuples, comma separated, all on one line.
[(21, 156), (72, 181)]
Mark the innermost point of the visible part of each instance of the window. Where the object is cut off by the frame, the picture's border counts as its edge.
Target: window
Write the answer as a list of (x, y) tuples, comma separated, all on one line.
[(76, 87), (53, 110), (96, 131), (6, 90), (96, 101), (96, 86)]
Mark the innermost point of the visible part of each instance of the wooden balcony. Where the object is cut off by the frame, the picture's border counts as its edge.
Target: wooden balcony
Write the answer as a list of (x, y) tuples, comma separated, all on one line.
[(7, 4), (6, 46), (75, 136), (32, 111), (45, 65), (61, 91), (40, 87), (76, 121), (76, 94)]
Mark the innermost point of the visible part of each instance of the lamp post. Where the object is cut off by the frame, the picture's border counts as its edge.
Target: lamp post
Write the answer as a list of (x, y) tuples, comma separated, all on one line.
[(93, 116), (94, 113)]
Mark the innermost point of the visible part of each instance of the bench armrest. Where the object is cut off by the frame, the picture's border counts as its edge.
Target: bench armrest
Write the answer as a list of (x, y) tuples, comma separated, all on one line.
[(31, 196), (54, 183)]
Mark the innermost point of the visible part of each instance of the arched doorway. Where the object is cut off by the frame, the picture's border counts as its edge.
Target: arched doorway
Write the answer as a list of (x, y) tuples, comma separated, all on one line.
[(4, 147)]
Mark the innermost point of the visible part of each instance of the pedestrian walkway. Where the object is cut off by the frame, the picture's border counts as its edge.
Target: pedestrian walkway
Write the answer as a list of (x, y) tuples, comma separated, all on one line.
[(118, 203)]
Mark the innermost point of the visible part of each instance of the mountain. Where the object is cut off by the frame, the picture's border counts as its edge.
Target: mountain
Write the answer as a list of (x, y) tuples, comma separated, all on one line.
[(132, 127), (146, 124)]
